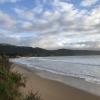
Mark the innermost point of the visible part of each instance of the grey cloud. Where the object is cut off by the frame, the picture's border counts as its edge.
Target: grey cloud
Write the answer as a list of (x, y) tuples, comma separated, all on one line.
[(6, 21)]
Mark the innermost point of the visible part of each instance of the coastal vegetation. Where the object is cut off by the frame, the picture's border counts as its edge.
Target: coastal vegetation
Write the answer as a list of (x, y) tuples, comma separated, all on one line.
[(10, 83), (20, 51)]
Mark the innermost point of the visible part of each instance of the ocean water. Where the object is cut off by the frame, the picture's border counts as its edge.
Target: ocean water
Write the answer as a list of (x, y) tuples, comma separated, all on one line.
[(83, 67)]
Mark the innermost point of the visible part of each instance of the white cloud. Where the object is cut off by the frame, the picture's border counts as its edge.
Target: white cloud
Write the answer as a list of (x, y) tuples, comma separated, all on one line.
[(93, 19), (24, 14), (88, 2), (63, 27)]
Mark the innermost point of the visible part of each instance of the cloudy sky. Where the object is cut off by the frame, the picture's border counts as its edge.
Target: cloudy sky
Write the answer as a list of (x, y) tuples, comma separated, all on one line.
[(51, 24)]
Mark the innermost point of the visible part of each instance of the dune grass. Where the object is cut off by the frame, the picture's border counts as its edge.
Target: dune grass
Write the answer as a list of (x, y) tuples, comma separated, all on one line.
[(10, 82)]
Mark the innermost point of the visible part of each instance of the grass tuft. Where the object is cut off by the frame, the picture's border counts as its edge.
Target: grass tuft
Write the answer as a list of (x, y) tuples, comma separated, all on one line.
[(10, 82)]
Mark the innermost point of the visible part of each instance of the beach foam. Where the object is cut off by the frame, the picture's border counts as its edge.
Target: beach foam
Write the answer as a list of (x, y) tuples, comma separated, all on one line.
[(85, 67)]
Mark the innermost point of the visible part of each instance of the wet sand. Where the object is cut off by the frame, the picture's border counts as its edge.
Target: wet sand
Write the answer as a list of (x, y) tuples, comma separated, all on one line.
[(49, 89)]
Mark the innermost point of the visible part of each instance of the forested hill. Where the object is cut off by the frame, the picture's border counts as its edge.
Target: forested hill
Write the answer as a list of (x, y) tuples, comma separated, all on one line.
[(13, 51)]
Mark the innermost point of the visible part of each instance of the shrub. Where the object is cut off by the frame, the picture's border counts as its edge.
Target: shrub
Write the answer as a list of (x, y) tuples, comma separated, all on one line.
[(32, 96), (10, 82)]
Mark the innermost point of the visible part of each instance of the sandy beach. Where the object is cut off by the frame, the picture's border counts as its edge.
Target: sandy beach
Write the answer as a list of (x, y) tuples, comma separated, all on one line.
[(49, 89)]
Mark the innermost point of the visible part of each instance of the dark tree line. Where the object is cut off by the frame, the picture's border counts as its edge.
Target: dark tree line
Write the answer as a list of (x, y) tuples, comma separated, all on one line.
[(15, 51)]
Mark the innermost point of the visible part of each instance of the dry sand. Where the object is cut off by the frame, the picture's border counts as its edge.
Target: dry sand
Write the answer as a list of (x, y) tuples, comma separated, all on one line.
[(51, 90)]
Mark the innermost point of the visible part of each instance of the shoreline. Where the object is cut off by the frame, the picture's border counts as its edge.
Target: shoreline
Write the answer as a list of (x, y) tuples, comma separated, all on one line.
[(50, 89)]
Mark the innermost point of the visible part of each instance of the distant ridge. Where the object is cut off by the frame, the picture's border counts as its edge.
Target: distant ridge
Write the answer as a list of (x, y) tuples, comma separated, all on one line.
[(13, 51)]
